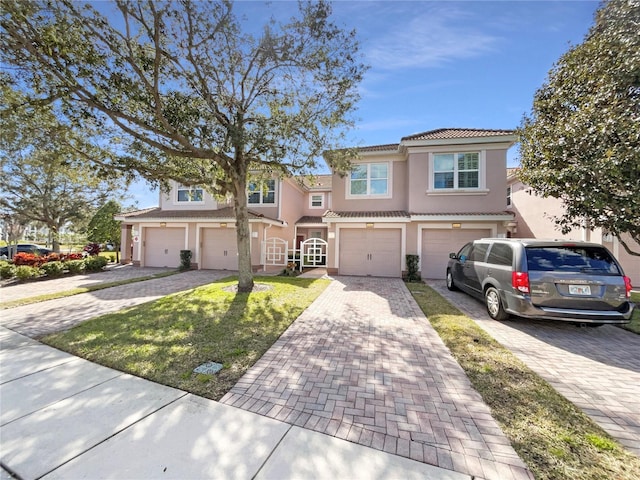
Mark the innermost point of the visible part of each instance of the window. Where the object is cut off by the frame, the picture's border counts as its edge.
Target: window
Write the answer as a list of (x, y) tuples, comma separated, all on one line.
[(500, 254), (189, 194), (262, 193), (369, 179), (509, 196), (456, 170), (478, 252), (317, 200)]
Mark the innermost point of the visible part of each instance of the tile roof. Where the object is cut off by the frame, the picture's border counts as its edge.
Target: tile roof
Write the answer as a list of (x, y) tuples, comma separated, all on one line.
[(376, 214), (450, 133), (157, 213), (464, 214), (309, 219), (320, 182), (380, 148)]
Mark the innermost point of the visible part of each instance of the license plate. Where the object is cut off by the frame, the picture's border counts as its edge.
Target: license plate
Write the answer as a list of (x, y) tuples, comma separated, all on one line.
[(579, 290)]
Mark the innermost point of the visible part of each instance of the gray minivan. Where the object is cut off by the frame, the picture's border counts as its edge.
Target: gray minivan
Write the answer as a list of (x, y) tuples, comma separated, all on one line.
[(543, 279)]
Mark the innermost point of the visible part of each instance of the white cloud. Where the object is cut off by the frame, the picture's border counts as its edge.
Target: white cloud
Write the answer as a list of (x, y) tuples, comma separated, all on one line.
[(428, 38)]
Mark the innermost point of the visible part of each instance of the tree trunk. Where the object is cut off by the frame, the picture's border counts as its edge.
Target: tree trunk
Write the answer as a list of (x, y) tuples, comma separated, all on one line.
[(245, 272), (55, 238)]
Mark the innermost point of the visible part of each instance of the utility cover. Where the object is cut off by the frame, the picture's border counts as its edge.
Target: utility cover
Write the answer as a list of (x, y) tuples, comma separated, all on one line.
[(209, 368)]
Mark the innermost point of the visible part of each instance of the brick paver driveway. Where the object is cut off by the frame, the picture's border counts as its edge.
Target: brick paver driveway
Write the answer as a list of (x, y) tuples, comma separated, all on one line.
[(364, 364), (598, 369)]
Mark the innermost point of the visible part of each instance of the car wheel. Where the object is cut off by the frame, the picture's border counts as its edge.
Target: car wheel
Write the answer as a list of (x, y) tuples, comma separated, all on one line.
[(450, 284), (494, 304)]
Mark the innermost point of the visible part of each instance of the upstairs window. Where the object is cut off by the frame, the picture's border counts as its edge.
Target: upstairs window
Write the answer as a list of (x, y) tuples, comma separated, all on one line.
[(452, 171), (262, 193), (369, 180), (190, 194), (316, 200), (509, 196)]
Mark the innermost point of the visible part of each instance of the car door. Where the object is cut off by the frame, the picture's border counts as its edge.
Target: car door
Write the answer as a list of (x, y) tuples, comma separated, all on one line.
[(459, 265), (474, 268)]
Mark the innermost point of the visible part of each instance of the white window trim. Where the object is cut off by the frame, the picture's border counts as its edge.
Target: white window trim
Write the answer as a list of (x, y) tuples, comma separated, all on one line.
[(482, 176), (311, 205), (179, 187), (350, 196), (276, 191)]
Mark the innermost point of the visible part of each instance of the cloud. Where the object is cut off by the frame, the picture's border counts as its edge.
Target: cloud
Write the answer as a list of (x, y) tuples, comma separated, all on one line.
[(428, 39)]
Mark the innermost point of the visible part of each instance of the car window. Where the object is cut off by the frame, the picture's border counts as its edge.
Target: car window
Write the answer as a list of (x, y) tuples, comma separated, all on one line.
[(463, 254), (478, 252), (500, 254), (568, 258)]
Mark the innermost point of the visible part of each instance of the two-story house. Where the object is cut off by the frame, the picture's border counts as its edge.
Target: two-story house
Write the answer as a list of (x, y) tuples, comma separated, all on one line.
[(426, 195)]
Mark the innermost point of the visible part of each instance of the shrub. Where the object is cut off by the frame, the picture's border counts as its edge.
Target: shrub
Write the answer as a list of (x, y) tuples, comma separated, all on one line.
[(52, 257), (95, 263), (412, 268), (185, 259), (28, 259), (53, 269), (75, 266), (25, 272), (72, 256), (7, 270)]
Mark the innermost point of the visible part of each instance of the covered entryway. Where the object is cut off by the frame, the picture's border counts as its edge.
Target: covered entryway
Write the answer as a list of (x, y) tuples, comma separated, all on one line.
[(438, 243), (219, 249), (375, 252), (162, 246)]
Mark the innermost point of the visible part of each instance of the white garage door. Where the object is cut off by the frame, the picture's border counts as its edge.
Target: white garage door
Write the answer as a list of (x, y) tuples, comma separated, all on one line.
[(374, 252), (219, 249), (162, 246), (438, 244)]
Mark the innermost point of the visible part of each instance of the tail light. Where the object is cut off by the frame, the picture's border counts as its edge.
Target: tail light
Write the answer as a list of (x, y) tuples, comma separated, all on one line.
[(627, 286), (520, 281)]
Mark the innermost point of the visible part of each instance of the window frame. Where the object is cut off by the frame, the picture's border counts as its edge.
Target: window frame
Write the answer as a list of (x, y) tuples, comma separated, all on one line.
[(311, 205), (190, 189), (368, 179), (262, 192), (482, 173)]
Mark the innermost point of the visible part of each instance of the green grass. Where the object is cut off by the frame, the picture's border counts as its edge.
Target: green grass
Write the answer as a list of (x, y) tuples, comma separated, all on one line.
[(77, 291), (165, 340), (634, 325), (554, 438)]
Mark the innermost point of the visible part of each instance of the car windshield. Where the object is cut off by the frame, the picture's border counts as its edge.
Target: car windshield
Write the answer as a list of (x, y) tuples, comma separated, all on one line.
[(569, 258)]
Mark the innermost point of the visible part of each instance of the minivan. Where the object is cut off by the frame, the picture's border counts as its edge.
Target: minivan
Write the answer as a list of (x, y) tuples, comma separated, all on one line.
[(543, 279)]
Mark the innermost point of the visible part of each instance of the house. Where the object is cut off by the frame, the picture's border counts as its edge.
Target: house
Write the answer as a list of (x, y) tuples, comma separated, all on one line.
[(426, 195), (534, 219)]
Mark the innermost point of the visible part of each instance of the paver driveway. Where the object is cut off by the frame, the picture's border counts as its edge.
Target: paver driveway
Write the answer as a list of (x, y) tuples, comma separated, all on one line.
[(598, 369), (364, 364)]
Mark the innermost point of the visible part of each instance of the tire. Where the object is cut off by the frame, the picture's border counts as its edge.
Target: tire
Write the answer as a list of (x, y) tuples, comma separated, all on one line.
[(450, 285), (494, 304)]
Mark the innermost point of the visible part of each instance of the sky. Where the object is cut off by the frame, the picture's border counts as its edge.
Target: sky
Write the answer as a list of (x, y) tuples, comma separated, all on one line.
[(445, 64)]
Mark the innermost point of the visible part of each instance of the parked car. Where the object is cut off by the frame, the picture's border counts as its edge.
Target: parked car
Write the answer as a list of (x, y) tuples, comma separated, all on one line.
[(550, 280), (26, 248)]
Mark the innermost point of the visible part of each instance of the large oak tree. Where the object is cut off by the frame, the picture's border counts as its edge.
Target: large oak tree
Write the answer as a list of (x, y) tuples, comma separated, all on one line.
[(581, 142), (191, 95)]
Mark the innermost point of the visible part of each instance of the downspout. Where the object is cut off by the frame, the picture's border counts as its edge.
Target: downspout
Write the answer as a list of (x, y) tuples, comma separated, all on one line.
[(264, 239)]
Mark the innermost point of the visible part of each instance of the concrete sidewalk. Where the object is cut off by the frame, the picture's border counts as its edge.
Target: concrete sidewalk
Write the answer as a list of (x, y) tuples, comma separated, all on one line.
[(65, 417)]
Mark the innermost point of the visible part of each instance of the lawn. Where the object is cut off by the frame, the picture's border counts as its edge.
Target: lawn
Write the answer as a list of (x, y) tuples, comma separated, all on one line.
[(165, 340), (554, 438), (634, 326)]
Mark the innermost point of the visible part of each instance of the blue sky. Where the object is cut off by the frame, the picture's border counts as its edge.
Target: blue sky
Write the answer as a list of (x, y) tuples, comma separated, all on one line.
[(473, 64)]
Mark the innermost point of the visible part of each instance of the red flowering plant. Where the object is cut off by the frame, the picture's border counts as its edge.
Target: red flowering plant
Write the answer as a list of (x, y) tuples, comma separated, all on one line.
[(71, 256), (28, 259)]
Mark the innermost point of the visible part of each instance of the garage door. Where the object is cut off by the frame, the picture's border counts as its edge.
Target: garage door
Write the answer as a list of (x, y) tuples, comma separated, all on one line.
[(162, 246), (219, 249), (374, 252), (438, 244)]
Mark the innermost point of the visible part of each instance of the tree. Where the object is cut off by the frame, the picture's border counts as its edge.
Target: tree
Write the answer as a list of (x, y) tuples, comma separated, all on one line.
[(193, 97), (582, 141), (103, 228), (43, 179)]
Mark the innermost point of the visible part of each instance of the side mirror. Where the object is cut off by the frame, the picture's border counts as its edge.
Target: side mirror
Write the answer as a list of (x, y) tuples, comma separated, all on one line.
[(453, 256)]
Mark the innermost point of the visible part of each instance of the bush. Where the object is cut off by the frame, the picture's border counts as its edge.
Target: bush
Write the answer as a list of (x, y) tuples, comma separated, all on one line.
[(185, 259), (25, 272), (7, 270), (72, 256), (95, 264), (53, 269), (28, 259), (75, 266), (412, 268)]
